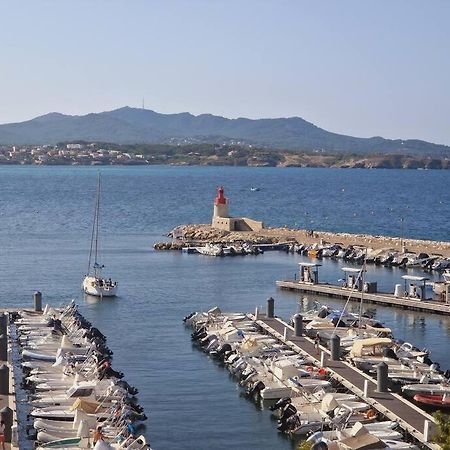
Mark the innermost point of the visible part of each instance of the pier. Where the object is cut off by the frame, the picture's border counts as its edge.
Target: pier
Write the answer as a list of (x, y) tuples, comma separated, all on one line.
[(329, 290), (412, 419), (8, 406)]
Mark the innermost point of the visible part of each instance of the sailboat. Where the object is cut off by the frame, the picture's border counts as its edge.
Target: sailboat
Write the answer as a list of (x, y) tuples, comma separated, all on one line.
[(93, 283)]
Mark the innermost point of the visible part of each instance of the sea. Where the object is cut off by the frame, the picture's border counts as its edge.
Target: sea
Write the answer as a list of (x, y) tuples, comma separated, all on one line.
[(46, 216)]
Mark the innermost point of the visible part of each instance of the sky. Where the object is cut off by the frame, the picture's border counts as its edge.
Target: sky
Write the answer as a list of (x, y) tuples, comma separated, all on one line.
[(363, 68)]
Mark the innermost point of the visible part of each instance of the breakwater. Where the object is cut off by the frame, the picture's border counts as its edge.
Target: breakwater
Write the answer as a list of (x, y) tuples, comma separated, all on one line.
[(378, 249)]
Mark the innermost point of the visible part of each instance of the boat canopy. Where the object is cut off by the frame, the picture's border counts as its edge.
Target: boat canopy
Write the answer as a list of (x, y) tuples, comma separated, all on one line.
[(87, 406), (306, 264), (414, 278), (351, 270), (370, 346)]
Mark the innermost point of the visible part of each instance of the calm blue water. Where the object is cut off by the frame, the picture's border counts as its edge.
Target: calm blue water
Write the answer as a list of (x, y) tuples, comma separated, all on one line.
[(45, 220)]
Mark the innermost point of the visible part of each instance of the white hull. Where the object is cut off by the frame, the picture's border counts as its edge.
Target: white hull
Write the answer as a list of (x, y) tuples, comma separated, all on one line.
[(91, 286)]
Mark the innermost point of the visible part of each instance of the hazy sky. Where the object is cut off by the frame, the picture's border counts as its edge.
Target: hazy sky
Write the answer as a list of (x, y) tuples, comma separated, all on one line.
[(363, 68)]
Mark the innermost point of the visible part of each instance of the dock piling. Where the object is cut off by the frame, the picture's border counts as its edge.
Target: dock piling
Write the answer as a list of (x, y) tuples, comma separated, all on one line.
[(256, 313), (270, 308), (4, 379), (3, 323), (6, 414), (426, 431), (298, 325), (366, 388), (335, 347), (3, 347), (285, 333), (382, 377), (37, 301), (322, 359)]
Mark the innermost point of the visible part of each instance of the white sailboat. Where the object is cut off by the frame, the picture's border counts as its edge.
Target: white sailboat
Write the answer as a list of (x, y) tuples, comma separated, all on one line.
[(94, 284)]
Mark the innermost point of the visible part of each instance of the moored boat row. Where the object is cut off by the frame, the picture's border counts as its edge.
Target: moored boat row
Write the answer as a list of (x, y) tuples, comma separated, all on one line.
[(305, 399), (76, 398)]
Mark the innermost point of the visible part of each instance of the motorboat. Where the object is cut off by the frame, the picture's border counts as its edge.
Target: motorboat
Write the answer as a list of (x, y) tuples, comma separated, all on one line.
[(426, 389), (210, 250), (441, 401), (94, 283)]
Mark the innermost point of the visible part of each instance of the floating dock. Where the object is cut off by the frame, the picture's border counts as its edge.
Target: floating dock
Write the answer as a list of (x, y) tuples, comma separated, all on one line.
[(329, 290), (412, 419)]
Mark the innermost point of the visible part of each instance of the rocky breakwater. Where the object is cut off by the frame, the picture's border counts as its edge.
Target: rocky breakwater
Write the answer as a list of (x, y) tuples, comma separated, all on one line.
[(192, 235)]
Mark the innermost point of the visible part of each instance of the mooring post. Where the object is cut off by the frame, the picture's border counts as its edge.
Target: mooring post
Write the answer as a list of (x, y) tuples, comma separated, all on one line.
[(3, 347), (6, 414), (322, 359), (4, 379), (256, 313), (382, 377), (298, 325), (366, 388), (426, 431), (37, 301), (3, 323), (270, 308), (335, 347), (285, 333)]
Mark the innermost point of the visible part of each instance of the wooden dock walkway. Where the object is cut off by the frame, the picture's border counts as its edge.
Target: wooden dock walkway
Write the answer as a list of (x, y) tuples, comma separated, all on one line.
[(329, 290), (393, 406)]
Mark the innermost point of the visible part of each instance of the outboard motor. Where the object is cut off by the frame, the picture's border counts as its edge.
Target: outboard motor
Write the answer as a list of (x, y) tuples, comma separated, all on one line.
[(130, 389), (206, 340), (281, 403), (222, 350), (257, 388), (199, 334), (288, 419), (389, 353), (192, 314)]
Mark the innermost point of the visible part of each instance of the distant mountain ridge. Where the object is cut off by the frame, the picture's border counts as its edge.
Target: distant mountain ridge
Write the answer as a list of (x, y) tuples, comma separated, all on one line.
[(134, 125)]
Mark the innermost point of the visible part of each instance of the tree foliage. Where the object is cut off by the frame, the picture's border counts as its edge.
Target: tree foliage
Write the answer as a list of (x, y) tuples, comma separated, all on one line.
[(442, 435)]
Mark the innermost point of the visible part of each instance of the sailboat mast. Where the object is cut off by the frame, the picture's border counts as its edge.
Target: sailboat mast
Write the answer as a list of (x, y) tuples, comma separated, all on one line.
[(362, 289), (94, 232), (97, 213)]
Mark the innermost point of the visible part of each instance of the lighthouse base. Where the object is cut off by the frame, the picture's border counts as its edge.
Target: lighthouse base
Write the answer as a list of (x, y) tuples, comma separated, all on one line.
[(236, 224)]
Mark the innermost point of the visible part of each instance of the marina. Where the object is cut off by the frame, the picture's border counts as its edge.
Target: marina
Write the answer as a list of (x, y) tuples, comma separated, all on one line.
[(74, 398), (275, 361), (48, 252)]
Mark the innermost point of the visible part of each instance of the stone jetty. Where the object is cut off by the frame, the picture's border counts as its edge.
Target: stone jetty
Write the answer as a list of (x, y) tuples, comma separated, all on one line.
[(200, 234)]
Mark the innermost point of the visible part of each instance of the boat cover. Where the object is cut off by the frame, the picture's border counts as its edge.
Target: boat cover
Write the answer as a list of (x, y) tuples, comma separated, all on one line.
[(363, 347), (88, 406)]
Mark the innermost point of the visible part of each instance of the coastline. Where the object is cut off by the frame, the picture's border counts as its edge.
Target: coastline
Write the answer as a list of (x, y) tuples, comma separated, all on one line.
[(206, 233)]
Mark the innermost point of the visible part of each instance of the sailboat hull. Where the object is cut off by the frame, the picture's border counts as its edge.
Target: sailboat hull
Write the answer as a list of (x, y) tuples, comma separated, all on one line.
[(91, 286)]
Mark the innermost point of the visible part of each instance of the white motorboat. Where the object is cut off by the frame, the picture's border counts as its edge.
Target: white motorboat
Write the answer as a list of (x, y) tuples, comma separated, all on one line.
[(422, 388), (210, 250), (94, 284)]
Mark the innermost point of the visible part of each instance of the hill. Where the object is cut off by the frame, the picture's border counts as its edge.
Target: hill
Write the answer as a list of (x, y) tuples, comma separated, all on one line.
[(132, 125)]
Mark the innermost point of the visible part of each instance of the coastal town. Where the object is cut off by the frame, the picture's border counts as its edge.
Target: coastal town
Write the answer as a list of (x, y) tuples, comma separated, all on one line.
[(189, 153), (67, 154)]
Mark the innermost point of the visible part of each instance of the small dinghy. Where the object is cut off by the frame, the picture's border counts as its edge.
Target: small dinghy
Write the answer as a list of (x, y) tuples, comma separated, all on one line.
[(439, 401)]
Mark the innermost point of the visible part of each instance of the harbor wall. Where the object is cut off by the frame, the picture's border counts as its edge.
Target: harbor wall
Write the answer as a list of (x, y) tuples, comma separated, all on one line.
[(206, 233)]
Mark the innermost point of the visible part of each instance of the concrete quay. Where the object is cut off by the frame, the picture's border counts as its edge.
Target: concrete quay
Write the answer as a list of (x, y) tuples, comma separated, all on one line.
[(8, 401)]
